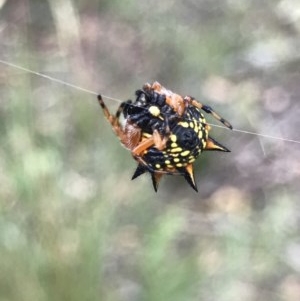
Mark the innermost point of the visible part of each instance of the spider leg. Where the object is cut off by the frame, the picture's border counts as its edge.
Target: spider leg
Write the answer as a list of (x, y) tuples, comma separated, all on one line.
[(106, 112), (156, 140), (142, 146), (160, 141), (113, 120), (208, 110), (140, 119), (121, 108), (130, 135)]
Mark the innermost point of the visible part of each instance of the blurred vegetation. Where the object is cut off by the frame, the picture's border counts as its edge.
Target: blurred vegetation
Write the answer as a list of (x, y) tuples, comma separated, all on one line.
[(72, 224)]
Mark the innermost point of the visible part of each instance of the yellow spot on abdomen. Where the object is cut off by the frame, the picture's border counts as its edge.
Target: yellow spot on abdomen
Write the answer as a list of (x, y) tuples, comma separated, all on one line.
[(176, 150), (184, 124), (173, 138), (154, 110), (185, 153)]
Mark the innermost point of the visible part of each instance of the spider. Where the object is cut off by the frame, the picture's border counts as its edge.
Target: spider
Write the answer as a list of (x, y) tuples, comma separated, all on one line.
[(164, 132)]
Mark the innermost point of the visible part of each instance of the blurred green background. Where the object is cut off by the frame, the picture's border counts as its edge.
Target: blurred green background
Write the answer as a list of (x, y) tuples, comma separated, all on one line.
[(72, 224)]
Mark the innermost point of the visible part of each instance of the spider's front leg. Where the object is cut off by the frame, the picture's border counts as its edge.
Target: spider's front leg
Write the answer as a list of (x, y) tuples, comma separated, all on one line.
[(208, 110), (158, 140), (130, 135)]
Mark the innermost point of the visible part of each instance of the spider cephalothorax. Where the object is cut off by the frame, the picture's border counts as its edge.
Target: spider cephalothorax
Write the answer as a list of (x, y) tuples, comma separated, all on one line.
[(164, 132)]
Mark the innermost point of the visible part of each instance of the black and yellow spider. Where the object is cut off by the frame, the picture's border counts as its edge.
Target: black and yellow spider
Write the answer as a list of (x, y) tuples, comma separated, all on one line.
[(164, 132)]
